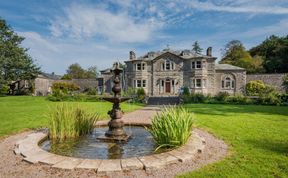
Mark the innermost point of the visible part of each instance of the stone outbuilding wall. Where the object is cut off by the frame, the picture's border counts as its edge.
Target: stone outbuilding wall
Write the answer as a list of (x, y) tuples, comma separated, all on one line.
[(275, 80)]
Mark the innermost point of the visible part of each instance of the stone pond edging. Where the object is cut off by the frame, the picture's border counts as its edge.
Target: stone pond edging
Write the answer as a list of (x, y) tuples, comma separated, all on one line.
[(32, 153)]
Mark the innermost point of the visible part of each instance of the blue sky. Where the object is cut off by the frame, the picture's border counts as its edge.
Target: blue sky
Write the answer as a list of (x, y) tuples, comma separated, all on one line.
[(91, 32)]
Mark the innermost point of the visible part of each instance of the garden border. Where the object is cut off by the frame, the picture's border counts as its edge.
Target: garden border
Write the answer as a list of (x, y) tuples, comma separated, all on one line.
[(32, 153)]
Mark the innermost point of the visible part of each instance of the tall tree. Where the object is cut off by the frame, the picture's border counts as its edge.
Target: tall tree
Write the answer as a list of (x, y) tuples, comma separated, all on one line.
[(77, 72), (15, 63), (92, 72), (196, 48), (274, 51), (235, 54)]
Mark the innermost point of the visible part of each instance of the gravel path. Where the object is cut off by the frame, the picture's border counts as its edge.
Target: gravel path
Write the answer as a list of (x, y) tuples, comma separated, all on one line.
[(12, 165)]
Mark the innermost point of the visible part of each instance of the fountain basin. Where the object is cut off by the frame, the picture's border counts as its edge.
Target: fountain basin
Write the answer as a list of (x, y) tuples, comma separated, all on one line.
[(29, 148), (116, 99), (141, 143)]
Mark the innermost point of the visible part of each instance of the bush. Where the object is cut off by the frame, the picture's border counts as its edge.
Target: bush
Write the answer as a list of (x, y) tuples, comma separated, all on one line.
[(222, 97), (68, 121), (186, 91), (285, 82), (64, 87), (140, 93), (91, 91), (239, 99), (195, 98), (269, 99), (172, 127), (4, 89), (257, 88)]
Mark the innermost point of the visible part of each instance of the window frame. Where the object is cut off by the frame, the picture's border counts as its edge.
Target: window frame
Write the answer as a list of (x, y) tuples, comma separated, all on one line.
[(228, 83)]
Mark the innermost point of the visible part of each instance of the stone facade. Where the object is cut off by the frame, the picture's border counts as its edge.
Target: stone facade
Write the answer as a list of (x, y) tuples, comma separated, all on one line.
[(43, 83), (165, 73), (275, 80)]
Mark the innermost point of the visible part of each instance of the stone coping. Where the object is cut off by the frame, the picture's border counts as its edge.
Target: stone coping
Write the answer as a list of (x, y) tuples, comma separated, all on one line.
[(32, 153)]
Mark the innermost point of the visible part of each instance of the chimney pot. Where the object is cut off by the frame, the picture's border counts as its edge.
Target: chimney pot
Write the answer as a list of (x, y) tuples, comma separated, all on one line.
[(132, 55), (209, 51)]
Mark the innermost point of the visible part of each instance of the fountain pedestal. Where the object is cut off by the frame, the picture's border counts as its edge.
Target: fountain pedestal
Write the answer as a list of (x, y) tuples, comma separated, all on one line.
[(116, 124)]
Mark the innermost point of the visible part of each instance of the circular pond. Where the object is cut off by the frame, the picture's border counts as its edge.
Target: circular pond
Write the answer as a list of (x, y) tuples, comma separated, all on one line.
[(141, 143)]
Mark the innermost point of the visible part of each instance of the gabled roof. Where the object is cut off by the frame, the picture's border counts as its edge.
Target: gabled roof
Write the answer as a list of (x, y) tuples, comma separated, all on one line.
[(227, 67), (50, 76), (184, 54)]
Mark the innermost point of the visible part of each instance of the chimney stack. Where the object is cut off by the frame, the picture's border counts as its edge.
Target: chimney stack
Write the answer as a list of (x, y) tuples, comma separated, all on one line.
[(209, 51), (132, 55)]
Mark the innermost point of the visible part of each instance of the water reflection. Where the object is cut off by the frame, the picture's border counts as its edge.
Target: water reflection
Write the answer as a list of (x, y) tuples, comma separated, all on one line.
[(141, 143)]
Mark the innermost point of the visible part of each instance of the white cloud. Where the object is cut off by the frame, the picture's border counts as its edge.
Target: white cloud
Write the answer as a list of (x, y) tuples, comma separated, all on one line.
[(240, 6), (55, 55), (86, 22)]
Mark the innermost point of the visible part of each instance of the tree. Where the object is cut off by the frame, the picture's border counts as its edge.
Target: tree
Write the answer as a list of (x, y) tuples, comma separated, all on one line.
[(92, 72), (196, 48), (15, 63), (235, 54), (77, 72), (274, 51)]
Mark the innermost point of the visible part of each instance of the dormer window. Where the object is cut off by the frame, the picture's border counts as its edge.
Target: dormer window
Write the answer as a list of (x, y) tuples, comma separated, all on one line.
[(196, 64)]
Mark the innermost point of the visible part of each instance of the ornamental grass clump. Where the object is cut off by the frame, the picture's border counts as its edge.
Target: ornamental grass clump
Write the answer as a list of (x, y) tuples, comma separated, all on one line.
[(70, 121), (172, 127)]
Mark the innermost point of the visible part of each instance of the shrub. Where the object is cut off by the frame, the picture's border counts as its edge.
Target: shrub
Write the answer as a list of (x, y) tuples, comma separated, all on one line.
[(222, 97), (285, 82), (69, 121), (140, 95), (239, 99), (257, 88), (269, 99), (64, 87), (91, 91), (4, 89), (172, 127), (186, 91), (195, 98)]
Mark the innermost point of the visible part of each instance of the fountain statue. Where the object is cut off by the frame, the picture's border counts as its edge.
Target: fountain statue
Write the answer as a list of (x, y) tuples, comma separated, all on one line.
[(116, 124)]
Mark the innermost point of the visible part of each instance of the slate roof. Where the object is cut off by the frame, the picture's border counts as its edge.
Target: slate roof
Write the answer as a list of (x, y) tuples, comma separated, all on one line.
[(227, 67), (50, 76), (185, 54)]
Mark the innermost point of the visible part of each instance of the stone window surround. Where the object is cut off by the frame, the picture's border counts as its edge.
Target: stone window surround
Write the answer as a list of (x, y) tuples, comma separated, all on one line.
[(203, 82), (139, 66), (228, 82), (198, 64), (166, 63), (140, 83)]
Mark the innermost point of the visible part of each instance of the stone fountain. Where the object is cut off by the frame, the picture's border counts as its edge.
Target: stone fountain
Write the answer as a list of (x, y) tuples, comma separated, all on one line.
[(116, 124)]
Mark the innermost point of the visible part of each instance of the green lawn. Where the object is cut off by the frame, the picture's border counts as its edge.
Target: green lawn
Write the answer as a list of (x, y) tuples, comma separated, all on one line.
[(257, 135), (18, 113)]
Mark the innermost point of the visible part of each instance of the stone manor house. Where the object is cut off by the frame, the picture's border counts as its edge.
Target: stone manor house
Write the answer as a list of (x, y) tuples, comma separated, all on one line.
[(166, 72)]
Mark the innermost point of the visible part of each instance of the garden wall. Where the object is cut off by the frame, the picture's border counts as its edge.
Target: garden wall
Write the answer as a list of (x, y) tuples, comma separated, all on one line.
[(275, 80)]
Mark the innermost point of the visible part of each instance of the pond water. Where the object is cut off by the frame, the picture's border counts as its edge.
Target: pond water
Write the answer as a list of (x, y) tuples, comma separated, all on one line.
[(141, 143)]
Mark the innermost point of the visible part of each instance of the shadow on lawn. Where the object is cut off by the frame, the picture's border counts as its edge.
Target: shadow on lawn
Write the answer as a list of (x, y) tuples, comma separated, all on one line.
[(226, 110), (280, 147)]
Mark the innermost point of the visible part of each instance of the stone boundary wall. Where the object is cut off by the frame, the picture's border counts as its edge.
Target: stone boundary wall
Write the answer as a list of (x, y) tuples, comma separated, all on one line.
[(275, 80)]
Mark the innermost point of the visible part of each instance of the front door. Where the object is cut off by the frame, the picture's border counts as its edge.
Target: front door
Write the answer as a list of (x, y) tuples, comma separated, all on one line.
[(167, 86)]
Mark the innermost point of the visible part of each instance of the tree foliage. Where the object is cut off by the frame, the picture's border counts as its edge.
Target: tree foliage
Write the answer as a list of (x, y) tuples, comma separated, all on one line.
[(196, 48), (274, 51), (235, 54), (15, 63), (75, 71)]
